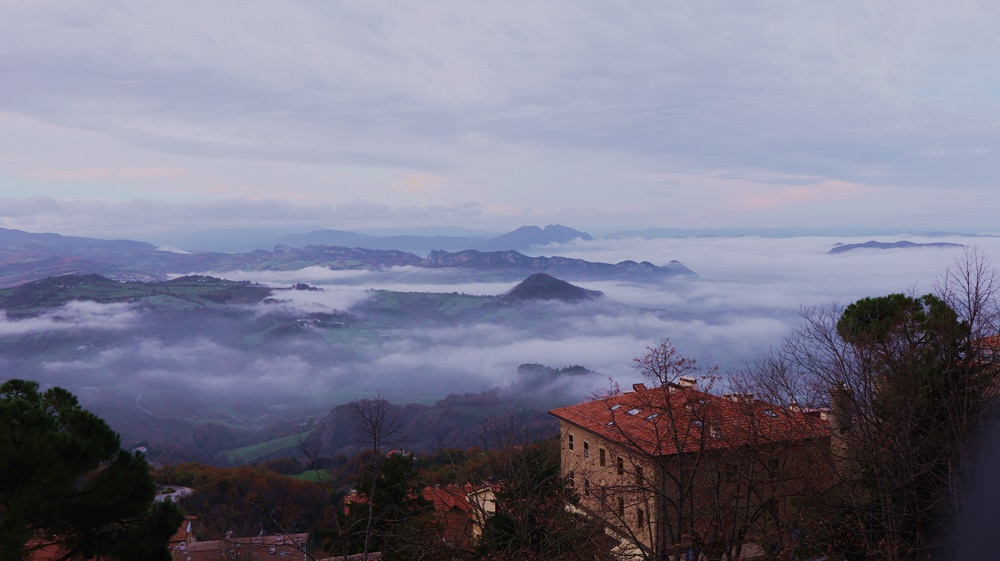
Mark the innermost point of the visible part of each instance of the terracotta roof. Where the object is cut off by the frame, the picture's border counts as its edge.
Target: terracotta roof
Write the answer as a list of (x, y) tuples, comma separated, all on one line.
[(671, 419), (183, 531), (451, 497)]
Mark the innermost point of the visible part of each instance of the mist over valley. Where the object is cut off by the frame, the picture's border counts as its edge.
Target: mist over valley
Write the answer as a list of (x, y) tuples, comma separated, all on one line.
[(267, 352)]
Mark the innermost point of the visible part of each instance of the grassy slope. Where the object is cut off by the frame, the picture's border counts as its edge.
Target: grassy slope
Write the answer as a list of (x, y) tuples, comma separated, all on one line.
[(261, 449)]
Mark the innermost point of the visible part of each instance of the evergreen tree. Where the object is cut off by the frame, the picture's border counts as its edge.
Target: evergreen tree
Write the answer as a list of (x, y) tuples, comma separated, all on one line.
[(65, 480)]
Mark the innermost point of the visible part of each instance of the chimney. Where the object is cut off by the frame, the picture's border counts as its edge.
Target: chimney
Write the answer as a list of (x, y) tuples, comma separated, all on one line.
[(841, 408), (638, 387), (687, 382)]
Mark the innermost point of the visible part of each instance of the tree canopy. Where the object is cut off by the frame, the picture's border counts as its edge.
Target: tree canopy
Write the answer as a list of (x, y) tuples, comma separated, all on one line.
[(65, 482)]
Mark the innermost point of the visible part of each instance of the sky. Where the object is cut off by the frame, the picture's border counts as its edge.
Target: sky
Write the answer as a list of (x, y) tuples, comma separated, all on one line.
[(143, 120)]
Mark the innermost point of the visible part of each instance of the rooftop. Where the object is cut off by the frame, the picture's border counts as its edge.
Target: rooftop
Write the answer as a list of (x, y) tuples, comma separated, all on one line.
[(671, 419)]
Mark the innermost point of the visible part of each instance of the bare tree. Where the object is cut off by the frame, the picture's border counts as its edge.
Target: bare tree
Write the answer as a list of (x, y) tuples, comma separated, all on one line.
[(909, 380), (377, 427), (970, 288)]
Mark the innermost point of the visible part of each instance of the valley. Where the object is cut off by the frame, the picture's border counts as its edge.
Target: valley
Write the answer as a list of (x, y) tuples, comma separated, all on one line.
[(270, 343)]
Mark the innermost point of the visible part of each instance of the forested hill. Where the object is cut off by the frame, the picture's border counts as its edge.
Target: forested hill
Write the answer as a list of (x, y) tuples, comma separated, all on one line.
[(844, 248), (459, 419), (183, 292)]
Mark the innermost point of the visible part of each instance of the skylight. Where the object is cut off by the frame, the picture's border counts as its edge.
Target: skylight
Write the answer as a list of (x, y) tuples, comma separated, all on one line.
[(633, 411), (770, 413), (616, 406), (652, 416)]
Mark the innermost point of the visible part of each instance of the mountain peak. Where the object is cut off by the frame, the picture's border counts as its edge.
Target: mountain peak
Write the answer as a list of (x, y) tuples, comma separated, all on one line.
[(527, 236), (540, 286)]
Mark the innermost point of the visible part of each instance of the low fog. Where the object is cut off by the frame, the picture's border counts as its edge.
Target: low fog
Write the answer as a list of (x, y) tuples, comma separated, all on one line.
[(310, 350)]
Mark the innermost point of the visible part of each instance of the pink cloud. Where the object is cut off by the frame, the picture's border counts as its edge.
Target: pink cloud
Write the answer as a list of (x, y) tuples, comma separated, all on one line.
[(419, 183), (90, 174), (785, 196)]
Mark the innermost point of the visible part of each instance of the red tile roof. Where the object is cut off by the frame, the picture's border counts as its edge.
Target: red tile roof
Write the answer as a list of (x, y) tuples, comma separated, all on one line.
[(671, 419)]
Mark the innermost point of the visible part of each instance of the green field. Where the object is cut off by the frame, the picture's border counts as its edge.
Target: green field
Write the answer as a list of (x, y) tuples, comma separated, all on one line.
[(313, 475), (259, 450)]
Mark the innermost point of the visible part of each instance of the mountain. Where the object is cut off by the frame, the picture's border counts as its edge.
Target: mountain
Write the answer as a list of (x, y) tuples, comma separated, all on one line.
[(416, 244), (181, 293), (461, 419), (520, 239), (25, 257), (843, 248), (563, 266), (14, 242), (528, 236), (417, 310), (540, 286)]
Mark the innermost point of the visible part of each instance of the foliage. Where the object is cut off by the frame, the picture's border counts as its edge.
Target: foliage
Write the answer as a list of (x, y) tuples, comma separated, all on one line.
[(909, 380), (396, 504), (66, 481), (531, 519), (247, 500), (918, 384)]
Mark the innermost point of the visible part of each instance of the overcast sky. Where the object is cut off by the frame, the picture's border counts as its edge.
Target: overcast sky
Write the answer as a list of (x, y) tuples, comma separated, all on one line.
[(139, 119)]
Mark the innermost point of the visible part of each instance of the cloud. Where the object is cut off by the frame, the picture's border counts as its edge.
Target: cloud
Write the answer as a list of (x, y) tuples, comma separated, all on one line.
[(95, 173), (572, 110), (75, 315), (747, 298)]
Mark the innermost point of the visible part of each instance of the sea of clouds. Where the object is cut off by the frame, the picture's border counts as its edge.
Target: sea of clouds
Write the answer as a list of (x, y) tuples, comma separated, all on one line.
[(748, 296)]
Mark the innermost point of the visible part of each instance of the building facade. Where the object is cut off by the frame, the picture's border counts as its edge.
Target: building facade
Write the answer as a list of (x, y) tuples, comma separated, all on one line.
[(672, 469)]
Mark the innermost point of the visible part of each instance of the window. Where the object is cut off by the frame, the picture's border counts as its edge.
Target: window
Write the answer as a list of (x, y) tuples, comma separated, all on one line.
[(638, 476), (570, 441), (586, 487), (621, 465), (604, 495), (730, 473), (572, 479), (621, 506), (586, 449), (603, 461), (640, 517)]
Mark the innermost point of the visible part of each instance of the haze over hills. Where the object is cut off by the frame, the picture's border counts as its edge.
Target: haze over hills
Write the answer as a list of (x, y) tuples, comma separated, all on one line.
[(457, 419), (842, 247), (152, 357), (25, 257), (518, 240), (165, 358)]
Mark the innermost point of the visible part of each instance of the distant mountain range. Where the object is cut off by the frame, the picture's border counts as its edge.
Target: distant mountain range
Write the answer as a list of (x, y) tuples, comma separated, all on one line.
[(25, 257), (843, 248), (521, 239)]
